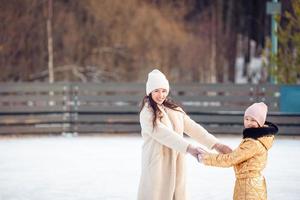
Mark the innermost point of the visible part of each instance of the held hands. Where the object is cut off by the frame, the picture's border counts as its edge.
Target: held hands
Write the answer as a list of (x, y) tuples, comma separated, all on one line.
[(193, 151), (221, 148), (200, 154), (197, 152)]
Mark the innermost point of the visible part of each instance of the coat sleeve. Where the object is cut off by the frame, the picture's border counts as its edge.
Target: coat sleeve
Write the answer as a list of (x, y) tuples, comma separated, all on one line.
[(162, 133), (197, 132), (246, 150)]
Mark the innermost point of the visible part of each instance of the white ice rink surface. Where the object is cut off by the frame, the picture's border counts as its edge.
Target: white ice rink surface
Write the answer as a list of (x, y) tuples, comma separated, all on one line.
[(106, 167)]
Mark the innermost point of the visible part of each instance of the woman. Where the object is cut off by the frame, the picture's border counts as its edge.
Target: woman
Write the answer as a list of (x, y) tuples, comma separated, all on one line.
[(163, 123)]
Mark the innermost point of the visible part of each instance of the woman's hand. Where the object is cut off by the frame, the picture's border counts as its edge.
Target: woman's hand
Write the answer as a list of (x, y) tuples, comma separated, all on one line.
[(222, 148), (195, 151)]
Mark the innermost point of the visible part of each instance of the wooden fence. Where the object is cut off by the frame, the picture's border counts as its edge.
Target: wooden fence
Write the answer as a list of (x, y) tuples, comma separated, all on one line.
[(113, 107)]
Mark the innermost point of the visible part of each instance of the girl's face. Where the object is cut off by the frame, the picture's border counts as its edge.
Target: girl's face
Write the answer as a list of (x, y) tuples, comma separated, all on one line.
[(250, 122), (159, 95)]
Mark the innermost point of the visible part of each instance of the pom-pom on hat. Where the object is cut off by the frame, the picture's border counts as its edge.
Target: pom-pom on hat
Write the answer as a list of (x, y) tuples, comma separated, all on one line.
[(258, 111), (156, 79)]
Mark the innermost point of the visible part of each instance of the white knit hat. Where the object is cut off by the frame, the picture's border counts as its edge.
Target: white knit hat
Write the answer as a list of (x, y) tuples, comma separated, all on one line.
[(156, 80), (258, 111)]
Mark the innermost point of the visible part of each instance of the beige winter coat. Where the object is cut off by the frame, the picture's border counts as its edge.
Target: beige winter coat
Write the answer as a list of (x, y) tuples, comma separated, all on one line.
[(163, 163)]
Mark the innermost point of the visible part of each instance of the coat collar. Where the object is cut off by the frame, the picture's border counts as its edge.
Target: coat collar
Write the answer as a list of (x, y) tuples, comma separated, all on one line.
[(165, 117), (254, 133), (172, 120)]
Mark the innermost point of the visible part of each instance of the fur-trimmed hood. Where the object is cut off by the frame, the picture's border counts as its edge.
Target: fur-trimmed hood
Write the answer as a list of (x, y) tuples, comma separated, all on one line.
[(264, 135), (268, 129)]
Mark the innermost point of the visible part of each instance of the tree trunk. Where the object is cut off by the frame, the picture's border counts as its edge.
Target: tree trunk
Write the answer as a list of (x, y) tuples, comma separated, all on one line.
[(221, 45), (50, 42), (213, 38), (231, 36)]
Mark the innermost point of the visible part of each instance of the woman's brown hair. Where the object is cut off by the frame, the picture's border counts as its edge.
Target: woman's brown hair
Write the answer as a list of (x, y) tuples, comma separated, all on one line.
[(169, 103)]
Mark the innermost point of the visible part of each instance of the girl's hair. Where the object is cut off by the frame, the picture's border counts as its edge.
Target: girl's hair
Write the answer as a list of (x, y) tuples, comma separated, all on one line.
[(169, 103)]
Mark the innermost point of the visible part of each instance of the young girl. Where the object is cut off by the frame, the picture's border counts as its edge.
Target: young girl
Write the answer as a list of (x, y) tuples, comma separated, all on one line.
[(250, 158), (163, 123)]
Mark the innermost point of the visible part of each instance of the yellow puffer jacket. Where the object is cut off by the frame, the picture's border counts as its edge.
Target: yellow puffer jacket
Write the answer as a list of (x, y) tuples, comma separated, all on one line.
[(249, 159)]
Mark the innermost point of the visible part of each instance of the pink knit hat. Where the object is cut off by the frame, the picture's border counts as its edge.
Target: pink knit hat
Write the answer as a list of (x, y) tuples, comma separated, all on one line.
[(258, 111)]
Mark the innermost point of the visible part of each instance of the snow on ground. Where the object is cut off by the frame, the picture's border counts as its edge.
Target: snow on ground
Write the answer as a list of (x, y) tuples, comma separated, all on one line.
[(107, 167)]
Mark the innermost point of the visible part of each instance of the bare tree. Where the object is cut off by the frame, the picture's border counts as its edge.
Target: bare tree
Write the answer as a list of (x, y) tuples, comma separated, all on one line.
[(50, 41)]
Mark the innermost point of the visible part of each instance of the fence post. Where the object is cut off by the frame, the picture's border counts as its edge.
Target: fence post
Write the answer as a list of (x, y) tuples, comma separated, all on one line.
[(75, 105), (66, 110)]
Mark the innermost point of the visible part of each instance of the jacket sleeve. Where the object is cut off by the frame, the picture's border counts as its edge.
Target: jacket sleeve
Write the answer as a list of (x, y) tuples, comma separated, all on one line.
[(246, 150), (162, 133), (197, 132)]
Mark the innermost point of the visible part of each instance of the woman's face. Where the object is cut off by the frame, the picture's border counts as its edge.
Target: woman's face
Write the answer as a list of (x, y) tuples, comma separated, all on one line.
[(159, 95), (250, 122)]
